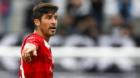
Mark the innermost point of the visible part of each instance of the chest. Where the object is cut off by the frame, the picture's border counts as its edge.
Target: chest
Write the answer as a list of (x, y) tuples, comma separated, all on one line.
[(44, 49)]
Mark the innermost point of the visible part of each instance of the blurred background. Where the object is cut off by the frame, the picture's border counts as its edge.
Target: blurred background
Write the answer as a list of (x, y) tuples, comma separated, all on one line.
[(94, 39)]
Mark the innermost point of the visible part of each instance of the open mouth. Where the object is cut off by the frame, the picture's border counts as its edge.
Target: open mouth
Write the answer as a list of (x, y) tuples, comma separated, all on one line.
[(53, 29)]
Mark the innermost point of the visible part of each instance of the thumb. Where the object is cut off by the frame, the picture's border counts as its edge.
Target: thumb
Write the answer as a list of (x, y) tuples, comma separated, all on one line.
[(35, 53)]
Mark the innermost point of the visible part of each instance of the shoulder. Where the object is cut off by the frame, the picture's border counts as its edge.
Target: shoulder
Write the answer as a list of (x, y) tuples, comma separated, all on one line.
[(33, 38)]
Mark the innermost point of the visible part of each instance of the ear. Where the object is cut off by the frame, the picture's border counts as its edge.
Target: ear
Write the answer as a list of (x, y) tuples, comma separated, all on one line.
[(36, 22)]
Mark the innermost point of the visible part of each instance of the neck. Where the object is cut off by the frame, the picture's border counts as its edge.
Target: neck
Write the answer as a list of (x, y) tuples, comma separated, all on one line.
[(42, 35)]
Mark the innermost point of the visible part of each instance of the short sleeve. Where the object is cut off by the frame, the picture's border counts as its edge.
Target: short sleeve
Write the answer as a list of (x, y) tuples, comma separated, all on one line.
[(33, 40)]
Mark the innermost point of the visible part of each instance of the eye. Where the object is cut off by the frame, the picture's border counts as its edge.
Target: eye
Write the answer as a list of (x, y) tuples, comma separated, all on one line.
[(56, 17), (49, 17)]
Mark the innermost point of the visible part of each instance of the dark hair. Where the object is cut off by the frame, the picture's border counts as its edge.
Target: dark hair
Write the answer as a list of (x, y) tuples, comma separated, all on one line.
[(43, 8)]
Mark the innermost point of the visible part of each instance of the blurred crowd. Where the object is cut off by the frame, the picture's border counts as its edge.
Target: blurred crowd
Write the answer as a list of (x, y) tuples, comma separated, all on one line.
[(81, 23), (97, 23)]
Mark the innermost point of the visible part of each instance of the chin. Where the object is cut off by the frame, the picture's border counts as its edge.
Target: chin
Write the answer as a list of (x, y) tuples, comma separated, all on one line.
[(52, 35)]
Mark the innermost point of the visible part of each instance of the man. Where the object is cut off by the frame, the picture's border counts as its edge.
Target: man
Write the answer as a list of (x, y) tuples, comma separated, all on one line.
[(36, 58)]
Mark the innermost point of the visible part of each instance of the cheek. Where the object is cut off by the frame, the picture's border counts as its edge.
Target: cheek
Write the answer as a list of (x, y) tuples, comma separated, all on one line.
[(45, 25), (45, 29)]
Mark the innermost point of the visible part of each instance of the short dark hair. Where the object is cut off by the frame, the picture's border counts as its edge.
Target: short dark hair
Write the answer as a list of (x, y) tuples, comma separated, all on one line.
[(43, 8)]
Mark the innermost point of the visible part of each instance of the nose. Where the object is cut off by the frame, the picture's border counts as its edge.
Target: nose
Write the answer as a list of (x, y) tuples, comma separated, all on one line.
[(54, 21)]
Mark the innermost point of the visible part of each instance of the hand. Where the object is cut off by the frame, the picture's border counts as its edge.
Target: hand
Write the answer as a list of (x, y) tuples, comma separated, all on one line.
[(29, 51)]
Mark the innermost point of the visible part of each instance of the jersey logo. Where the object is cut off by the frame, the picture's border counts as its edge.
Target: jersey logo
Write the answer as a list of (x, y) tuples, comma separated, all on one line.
[(46, 44)]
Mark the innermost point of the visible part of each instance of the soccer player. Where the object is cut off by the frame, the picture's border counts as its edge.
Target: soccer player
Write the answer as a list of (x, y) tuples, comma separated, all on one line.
[(36, 57)]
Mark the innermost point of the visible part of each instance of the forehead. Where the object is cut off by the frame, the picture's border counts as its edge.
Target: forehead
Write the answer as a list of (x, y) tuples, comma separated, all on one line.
[(50, 14)]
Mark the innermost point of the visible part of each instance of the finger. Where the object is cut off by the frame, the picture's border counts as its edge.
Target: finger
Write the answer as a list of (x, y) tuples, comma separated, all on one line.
[(28, 50), (25, 54), (24, 51), (35, 53), (27, 57)]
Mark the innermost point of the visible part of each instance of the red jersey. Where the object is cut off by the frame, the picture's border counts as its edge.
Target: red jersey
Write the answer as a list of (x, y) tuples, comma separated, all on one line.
[(41, 65)]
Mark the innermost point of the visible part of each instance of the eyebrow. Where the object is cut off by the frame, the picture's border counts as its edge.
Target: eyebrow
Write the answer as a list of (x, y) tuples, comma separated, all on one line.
[(52, 14)]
